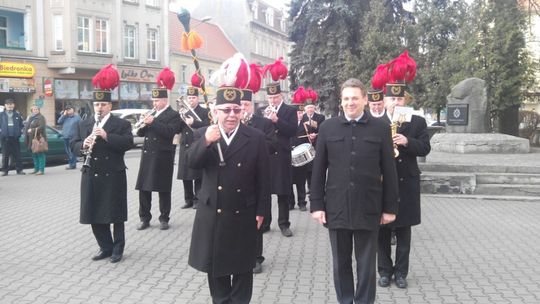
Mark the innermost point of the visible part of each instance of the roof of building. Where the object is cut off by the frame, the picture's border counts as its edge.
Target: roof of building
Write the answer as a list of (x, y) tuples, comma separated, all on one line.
[(216, 47)]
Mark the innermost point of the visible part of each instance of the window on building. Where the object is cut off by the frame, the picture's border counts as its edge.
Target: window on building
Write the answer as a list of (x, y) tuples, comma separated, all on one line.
[(83, 34), (255, 10), (58, 33), (257, 47), (210, 72), (152, 3), (14, 31), (3, 31), (283, 23), (270, 16), (130, 41), (152, 44), (184, 73), (102, 36)]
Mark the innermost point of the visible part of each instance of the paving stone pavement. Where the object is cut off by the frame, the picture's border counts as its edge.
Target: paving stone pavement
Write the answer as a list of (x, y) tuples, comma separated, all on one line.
[(465, 251)]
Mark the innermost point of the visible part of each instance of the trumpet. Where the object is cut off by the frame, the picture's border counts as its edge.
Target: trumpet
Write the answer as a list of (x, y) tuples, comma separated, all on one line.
[(269, 110), (246, 117), (141, 124), (394, 126), (87, 152), (184, 110)]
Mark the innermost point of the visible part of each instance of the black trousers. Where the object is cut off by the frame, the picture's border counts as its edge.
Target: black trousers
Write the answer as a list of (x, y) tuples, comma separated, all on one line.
[(301, 191), (11, 148), (145, 204), (283, 213), (403, 249), (365, 249), (190, 192), (231, 289), (110, 242), (259, 246)]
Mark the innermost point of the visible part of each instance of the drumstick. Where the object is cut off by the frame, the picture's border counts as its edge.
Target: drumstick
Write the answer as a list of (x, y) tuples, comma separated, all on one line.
[(302, 136), (307, 134)]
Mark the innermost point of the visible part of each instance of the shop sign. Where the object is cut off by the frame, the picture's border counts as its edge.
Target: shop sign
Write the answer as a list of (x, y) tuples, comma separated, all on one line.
[(47, 88), (13, 69), (139, 75), (17, 85)]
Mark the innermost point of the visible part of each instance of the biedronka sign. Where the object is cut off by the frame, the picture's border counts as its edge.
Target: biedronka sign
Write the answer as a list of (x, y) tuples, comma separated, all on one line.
[(19, 70)]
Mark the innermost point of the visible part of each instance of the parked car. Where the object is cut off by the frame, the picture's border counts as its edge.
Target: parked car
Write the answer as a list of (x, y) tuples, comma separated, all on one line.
[(56, 151), (133, 116)]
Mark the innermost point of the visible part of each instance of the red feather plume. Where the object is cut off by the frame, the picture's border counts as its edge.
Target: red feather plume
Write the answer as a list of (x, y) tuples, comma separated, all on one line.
[(242, 75), (403, 68), (277, 70), (197, 80), (311, 94), (107, 78), (299, 95), (166, 79), (380, 77), (255, 79)]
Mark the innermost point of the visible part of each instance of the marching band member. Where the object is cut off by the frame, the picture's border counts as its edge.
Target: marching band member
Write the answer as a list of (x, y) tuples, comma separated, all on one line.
[(157, 155), (191, 178), (104, 139), (300, 173), (412, 141), (312, 120), (283, 117), (233, 201)]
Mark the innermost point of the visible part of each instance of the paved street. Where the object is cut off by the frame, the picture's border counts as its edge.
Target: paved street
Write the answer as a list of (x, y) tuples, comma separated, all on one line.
[(465, 251)]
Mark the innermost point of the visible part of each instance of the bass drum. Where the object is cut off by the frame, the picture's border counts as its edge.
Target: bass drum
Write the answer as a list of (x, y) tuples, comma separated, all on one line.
[(302, 154)]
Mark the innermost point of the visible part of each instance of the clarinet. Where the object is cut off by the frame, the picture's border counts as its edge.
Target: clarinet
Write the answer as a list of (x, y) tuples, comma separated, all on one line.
[(88, 151)]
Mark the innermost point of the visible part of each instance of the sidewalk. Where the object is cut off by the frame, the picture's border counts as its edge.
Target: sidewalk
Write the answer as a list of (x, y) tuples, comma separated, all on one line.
[(465, 251)]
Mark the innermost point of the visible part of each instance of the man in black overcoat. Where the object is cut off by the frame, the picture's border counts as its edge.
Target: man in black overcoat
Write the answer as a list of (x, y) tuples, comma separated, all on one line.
[(265, 125), (157, 159), (191, 178), (412, 140), (103, 180), (283, 117), (234, 198), (354, 190)]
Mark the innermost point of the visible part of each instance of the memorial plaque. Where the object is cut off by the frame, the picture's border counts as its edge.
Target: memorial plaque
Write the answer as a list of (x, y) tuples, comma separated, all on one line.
[(457, 114)]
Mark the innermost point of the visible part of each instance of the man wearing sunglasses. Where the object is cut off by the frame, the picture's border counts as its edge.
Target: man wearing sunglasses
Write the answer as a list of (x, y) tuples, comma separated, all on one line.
[(234, 198)]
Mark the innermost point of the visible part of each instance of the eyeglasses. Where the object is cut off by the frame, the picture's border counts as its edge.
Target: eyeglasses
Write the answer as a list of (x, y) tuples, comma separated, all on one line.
[(228, 110)]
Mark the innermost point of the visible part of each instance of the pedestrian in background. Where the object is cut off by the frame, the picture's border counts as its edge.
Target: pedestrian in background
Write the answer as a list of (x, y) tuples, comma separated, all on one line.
[(105, 139), (36, 127), (354, 190), (11, 128), (69, 121)]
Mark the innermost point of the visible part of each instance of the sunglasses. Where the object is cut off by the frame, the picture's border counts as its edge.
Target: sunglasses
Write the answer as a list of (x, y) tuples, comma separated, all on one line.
[(228, 110)]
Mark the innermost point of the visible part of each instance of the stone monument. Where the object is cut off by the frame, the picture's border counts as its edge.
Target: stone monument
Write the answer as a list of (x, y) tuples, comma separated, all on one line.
[(467, 124)]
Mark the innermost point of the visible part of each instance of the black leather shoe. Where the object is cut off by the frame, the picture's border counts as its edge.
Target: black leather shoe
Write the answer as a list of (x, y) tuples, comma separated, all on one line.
[(384, 281), (302, 208), (163, 225), (286, 232), (401, 282), (257, 268), (187, 205), (143, 225), (4, 174), (115, 258), (102, 254), (21, 173)]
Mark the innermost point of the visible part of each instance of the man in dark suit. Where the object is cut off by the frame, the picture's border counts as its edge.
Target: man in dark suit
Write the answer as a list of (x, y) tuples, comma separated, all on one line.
[(354, 190), (191, 178), (11, 126), (106, 138), (233, 201), (412, 141), (283, 117), (265, 125), (157, 159)]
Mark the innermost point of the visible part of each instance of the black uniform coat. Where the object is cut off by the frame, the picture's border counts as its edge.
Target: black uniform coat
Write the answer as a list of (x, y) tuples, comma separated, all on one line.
[(362, 179), (265, 125), (299, 174), (319, 118), (408, 171), (224, 229), (280, 161), (103, 185), (186, 139), (157, 155)]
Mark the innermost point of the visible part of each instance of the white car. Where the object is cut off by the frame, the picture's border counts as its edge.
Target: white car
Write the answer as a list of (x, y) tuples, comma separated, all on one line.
[(132, 115)]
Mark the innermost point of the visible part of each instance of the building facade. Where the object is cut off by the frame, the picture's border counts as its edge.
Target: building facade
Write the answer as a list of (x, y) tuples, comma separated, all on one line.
[(67, 42)]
